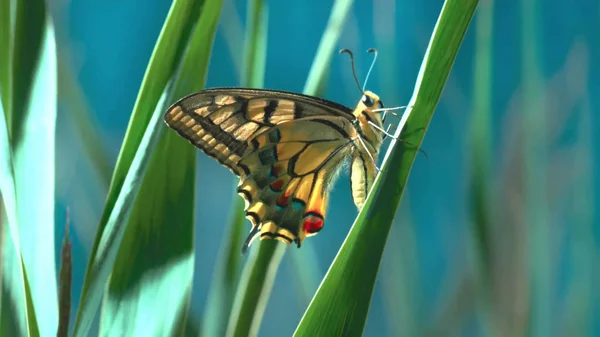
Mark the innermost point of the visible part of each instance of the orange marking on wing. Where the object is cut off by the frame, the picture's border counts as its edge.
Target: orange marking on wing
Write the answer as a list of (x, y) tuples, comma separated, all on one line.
[(283, 200)]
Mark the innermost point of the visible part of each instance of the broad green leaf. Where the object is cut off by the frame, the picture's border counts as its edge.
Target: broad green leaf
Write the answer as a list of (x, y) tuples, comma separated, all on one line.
[(33, 143), (223, 286), (17, 314), (164, 60), (341, 305), (247, 311), (142, 285)]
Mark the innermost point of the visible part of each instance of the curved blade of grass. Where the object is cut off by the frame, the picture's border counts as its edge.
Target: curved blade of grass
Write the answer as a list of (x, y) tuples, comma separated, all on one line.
[(33, 142), (320, 67), (341, 305), (255, 287), (100, 267), (164, 60), (17, 314), (225, 304), (221, 293), (159, 285)]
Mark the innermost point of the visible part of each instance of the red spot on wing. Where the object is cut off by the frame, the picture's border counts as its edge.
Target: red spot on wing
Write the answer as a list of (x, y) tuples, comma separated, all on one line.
[(283, 200), (277, 185), (313, 222)]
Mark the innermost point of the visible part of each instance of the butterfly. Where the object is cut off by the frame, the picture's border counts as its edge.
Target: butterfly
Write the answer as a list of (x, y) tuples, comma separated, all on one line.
[(286, 149)]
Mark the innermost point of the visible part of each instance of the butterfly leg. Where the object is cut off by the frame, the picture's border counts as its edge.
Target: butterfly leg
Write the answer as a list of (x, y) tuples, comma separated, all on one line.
[(386, 133), (362, 143)]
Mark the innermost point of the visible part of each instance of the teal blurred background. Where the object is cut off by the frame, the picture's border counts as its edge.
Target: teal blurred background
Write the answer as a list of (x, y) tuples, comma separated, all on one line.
[(427, 283)]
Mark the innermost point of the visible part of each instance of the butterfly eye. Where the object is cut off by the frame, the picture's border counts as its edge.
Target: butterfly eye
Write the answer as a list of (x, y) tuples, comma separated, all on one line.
[(368, 101)]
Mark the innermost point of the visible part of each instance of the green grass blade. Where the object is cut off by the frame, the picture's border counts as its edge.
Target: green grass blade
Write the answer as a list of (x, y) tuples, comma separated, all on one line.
[(481, 161), (225, 310), (255, 287), (247, 311), (320, 67), (255, 47), (17, 314), (142, 285), (85, 125), (30, 23), (100, 267), (33, 141), (163, 63), (6, 54), (340, 306), (222, 289)]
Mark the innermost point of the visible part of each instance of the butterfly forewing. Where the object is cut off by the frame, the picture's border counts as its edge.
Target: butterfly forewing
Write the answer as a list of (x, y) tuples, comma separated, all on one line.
[(285, 147)]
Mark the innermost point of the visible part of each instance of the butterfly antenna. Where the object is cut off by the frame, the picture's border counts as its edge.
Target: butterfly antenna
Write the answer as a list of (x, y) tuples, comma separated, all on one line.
[(346, 50), (372, 50)]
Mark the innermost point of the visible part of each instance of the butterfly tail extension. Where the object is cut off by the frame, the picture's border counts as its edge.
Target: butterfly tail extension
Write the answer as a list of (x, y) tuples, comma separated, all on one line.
[(251, 236)]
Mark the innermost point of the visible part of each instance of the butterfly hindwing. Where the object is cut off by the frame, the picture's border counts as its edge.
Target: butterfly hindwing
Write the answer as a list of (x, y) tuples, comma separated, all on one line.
[(287, 172)]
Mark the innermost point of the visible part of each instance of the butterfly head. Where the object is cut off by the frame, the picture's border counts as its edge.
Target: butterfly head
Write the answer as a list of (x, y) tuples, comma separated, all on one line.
[(368, 118), (368, 111)]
